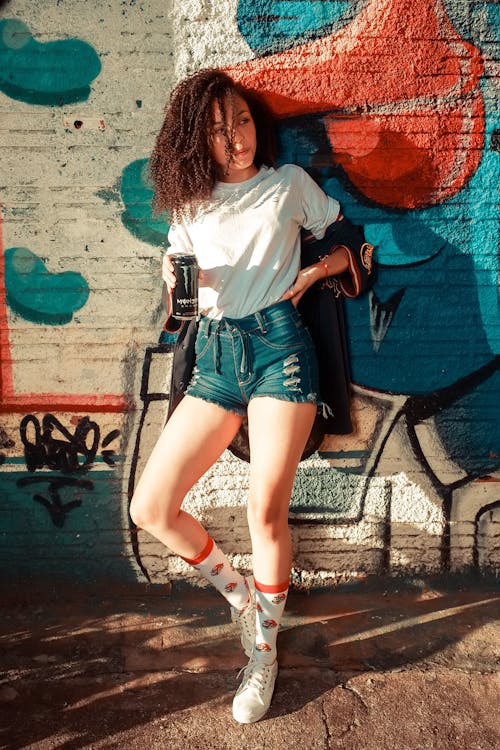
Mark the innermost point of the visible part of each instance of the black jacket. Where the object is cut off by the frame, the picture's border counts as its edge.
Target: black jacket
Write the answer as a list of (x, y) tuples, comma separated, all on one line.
[(321, 309)]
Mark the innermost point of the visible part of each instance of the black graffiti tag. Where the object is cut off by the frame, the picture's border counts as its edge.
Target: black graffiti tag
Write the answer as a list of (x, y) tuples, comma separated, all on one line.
[(53, 503), (53, 446)]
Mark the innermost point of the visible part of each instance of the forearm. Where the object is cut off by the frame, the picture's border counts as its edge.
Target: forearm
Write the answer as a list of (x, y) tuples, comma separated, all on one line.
[(330, 265)]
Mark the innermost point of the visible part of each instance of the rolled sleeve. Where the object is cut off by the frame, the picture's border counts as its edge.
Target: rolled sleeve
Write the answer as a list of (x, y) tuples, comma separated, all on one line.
[(320, 210)]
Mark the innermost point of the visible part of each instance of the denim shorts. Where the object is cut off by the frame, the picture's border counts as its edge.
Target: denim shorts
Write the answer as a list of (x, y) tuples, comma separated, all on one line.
[(268, 353)]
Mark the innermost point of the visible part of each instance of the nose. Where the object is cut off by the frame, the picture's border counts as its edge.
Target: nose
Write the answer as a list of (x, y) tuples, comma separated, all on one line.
[(237, 135)]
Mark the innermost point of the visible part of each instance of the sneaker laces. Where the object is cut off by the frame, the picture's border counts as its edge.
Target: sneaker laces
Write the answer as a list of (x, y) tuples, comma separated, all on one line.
[(256, 674)]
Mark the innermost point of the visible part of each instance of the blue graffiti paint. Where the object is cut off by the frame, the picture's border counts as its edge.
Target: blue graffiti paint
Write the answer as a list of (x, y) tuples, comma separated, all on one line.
[(482, 236), (477, 22), (83, 545), (470, 428), (435, 337), (274, 26), (447, 324), (433, 319), (463, 232), (38, 295), (137, 196), (49, 73)]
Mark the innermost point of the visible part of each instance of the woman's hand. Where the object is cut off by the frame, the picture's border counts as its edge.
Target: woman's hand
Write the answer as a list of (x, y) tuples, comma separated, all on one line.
[(167, 272), (332, 264), (305, 278)]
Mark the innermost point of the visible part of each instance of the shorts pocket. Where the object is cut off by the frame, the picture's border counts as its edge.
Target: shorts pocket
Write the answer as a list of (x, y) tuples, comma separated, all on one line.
[(204, 344), (285, 334)]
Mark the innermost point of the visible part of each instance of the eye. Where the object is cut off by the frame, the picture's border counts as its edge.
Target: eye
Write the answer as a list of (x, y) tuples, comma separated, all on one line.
[(219, 131)]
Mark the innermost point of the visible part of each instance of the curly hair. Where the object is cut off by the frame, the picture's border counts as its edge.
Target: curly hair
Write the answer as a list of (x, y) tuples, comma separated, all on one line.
[(182, 168)]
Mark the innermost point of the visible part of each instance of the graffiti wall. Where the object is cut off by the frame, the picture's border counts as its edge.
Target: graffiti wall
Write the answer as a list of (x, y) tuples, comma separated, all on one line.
[(392, 106)]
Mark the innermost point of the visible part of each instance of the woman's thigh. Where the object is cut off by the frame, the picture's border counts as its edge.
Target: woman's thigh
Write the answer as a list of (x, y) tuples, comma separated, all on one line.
[(192, 440), (278, 431)]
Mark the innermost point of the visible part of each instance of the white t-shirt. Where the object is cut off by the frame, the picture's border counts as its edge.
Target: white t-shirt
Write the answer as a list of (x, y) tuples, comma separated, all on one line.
[(247, 241)]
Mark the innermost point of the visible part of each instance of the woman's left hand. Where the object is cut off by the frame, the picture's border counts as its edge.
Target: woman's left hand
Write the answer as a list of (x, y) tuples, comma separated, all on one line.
[(305, 278)]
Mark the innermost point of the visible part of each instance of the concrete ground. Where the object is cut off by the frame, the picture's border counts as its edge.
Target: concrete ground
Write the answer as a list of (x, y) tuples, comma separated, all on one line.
[(405, 666)]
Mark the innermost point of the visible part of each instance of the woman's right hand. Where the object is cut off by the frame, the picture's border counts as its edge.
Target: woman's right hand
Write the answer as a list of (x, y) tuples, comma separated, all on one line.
[(167, 272)]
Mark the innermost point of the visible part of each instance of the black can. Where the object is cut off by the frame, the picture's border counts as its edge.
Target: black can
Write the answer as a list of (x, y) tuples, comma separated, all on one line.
[(185, 292)]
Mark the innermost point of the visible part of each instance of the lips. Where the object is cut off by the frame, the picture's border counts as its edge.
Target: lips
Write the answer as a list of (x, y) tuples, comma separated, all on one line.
[(398, 92)]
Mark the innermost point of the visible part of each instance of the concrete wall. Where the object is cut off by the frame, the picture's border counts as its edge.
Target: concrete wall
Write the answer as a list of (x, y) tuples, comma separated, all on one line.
[(393, 107)]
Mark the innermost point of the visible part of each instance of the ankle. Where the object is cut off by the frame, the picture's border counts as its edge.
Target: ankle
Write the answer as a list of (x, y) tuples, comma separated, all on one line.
[(265, 659)]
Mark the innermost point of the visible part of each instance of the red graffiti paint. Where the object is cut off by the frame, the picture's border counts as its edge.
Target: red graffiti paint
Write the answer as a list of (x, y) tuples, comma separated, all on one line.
[(398, 92)]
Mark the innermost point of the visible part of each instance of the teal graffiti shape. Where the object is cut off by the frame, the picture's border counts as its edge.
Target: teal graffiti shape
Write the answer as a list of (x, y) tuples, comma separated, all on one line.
[(49, 73), (272, 25), (137, 196), (38, 295)]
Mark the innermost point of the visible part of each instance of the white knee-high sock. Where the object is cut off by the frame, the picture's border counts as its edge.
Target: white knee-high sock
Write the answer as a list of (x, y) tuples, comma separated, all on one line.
[(213, 565), (269, 603)]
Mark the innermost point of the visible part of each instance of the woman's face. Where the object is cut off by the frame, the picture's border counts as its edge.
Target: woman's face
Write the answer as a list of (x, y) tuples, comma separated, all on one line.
[(233, 140)]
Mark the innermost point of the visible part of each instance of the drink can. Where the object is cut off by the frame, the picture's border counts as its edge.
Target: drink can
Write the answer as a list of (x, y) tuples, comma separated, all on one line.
[(185, 292)]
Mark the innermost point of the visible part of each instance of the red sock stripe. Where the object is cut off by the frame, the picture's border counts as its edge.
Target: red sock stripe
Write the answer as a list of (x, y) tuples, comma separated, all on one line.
[(274, 589), (203, 554)]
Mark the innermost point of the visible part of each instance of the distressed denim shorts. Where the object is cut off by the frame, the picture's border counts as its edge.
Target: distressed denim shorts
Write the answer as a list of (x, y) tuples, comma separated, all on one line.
[(268, 353)]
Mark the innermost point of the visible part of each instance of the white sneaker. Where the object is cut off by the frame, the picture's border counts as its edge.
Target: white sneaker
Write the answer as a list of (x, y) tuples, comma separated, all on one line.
[(245, 619), (253, 697)]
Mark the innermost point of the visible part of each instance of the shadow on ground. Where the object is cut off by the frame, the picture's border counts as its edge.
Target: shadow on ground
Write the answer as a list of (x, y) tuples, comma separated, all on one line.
[(82, 672)]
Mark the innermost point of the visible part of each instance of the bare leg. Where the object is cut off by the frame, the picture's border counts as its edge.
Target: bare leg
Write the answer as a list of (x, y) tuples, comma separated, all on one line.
[(192, 440), (278, 431)]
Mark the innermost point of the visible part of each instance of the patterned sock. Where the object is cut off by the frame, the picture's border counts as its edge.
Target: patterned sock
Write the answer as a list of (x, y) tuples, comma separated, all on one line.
[(216, 568), (270, 602)]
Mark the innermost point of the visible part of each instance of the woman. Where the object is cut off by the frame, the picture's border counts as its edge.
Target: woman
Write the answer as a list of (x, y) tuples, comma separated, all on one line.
[(212, 168)]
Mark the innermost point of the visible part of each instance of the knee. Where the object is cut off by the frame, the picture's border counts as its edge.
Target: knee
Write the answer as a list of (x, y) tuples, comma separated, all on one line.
[(267, 519), (145, 513), (139, 512)]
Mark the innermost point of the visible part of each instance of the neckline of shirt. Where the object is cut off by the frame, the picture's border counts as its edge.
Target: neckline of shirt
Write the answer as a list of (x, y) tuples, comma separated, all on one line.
[(230, 187)]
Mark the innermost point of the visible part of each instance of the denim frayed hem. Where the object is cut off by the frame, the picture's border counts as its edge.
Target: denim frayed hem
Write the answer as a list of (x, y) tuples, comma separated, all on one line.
[(240, 412), (311, 398)]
